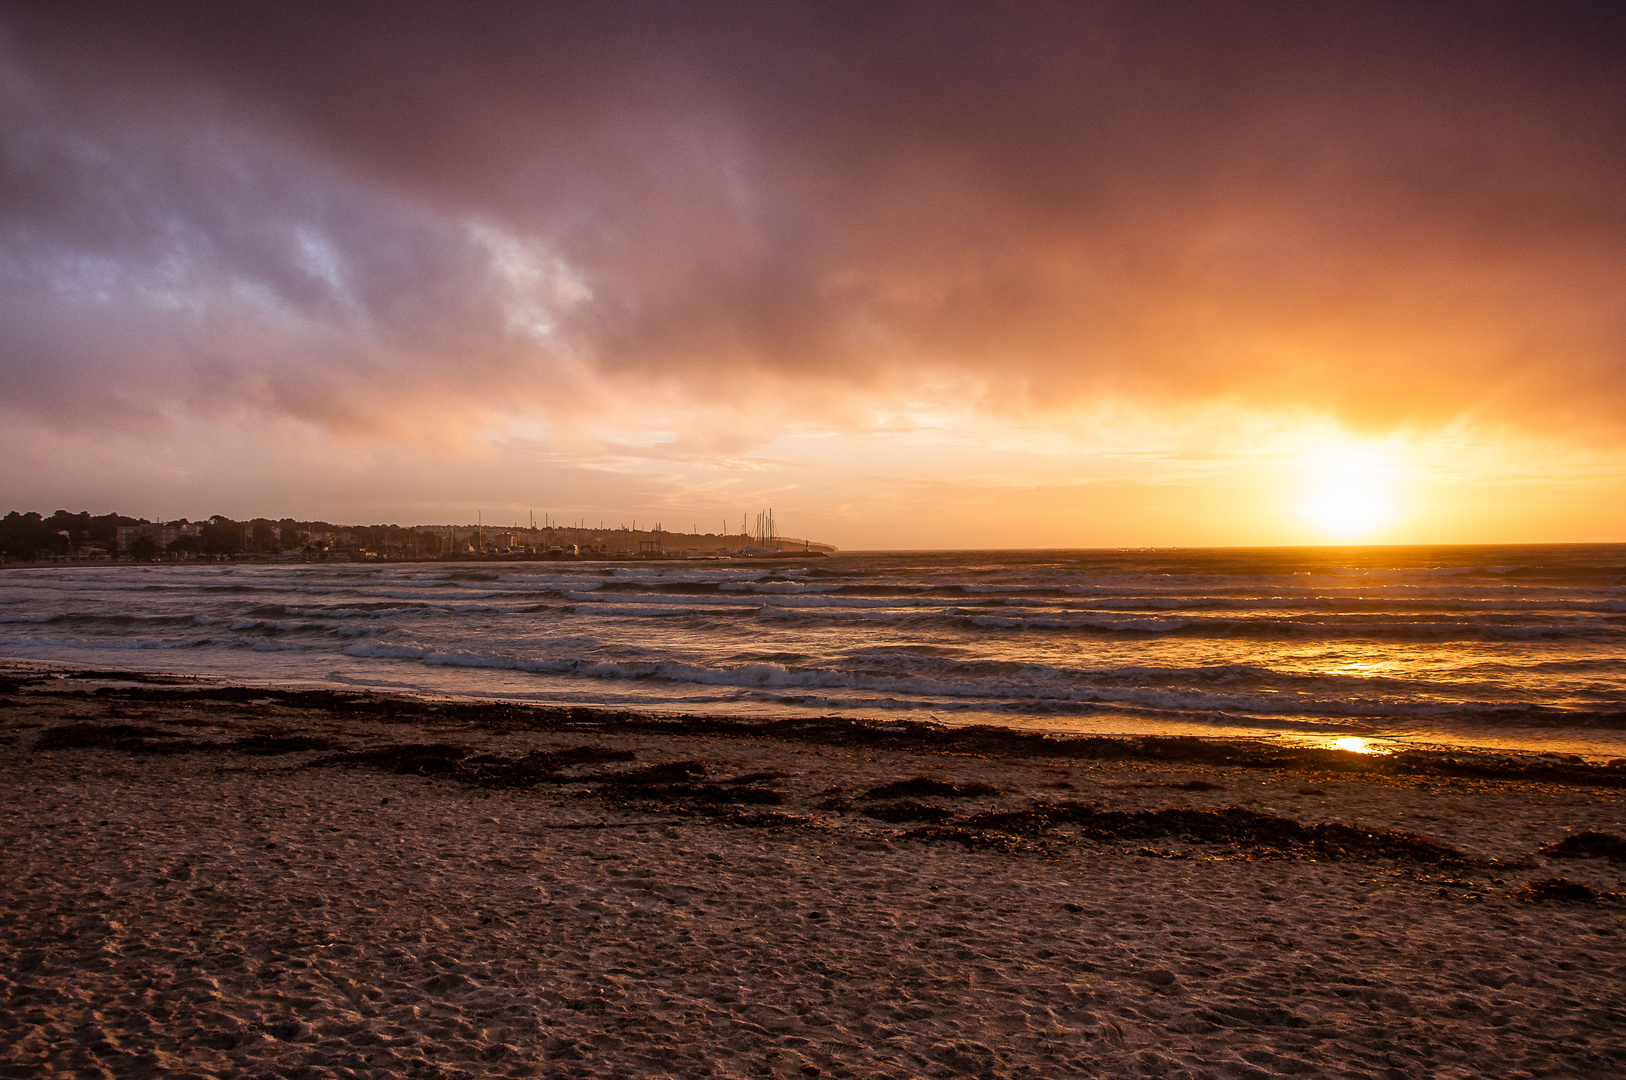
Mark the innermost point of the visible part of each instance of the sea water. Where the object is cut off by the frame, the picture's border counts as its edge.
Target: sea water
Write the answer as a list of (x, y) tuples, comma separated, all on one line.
[(1491, 646)]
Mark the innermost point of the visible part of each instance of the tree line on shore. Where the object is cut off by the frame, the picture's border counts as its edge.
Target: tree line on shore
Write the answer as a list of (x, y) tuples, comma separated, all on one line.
[(28, 536), (24, 535)]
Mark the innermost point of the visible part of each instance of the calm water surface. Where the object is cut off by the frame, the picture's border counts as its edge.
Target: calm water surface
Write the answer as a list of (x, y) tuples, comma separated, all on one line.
[(1493, 646)]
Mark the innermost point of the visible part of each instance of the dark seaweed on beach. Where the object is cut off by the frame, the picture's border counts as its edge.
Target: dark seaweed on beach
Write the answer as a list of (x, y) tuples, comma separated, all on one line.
[(10, 684), (269, 745), (908, 810), (1589, 845), (670, 772), (580, 755), (1235, 825), (487, 770), (333, 702), (969, 838), (84, 735), (1562, 891), (928, 787), (755, 778), (543, 766), (1038, 818), (706, 794), (141, 739), (1177, 785), (423, 759), (755, 819), (674, 781), (126, 676), (130, 738), (914, 736), (540, 766)]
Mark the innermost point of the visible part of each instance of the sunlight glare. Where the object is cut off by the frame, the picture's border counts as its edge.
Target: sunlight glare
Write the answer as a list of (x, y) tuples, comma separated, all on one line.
[(1357, 745), (1347, 491)]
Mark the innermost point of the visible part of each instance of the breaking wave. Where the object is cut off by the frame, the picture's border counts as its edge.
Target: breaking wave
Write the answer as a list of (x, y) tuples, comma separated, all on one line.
[(1280, 639)]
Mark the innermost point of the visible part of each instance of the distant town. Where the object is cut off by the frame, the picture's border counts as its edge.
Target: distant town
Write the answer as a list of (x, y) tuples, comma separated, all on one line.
[(64, 537)]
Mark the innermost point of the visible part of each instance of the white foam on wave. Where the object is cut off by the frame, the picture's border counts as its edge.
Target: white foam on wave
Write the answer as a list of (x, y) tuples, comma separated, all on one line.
[(126, 643), (750, 600), (776, 587), (842, 614), (1032, 693), (660, 610), (1250, 640), (456, 658), (258, 643), (1148, 624), (354, 613)]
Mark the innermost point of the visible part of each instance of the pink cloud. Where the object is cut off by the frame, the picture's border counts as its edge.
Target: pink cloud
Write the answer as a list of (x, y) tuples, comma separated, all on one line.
[(385, 221)]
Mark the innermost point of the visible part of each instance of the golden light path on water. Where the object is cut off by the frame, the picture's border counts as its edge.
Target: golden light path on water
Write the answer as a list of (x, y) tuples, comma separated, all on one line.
[(1356, 744)]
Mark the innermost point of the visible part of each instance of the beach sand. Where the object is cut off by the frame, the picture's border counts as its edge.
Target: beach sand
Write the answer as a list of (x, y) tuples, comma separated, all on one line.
[(567, 894)]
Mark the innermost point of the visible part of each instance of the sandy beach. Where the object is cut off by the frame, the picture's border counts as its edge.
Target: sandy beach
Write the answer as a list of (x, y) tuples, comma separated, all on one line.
[(212, 881)]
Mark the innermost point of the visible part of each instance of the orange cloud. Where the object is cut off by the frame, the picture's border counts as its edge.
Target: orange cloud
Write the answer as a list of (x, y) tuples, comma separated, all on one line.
[(698, 230)]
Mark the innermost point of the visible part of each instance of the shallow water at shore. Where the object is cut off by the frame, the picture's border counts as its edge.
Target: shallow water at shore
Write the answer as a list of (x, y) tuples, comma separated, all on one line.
[(1496, 646)]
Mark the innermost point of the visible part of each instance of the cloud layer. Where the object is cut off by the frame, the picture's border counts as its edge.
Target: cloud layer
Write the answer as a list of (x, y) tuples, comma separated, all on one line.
[(711, 223)]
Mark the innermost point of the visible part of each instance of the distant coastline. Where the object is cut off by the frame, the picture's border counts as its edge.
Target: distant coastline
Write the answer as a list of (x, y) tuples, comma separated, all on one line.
[(32, 538)]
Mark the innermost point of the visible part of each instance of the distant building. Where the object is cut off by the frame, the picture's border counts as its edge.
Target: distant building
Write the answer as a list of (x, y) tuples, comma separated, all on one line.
[(160, 534)]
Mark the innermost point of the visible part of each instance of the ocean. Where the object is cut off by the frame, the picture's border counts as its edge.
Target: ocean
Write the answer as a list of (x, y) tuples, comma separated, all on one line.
[(1370, 648)]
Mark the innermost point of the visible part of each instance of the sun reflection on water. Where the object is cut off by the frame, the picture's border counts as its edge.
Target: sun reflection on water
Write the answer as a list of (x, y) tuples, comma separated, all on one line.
[(1355, 744)]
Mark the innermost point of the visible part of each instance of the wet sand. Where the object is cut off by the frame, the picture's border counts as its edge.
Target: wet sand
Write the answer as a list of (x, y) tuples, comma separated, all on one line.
[(221, 882)]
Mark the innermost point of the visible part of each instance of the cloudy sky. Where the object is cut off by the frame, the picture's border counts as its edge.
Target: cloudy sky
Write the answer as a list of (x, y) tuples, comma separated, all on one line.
[(923, 274)]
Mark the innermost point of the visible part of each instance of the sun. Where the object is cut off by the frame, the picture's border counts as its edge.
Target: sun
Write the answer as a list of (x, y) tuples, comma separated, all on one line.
[(1348, 491)]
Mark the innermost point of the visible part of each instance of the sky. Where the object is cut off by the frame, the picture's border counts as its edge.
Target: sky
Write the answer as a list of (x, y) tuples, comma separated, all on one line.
[(927, 275)]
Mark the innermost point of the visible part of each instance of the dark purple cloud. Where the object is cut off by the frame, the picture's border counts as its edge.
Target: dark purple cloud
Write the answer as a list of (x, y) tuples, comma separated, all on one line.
[(361, 216)]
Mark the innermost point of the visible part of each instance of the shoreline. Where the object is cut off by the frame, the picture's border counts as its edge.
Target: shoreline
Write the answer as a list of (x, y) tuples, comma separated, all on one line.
[(239, 881), (1563, 745)]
